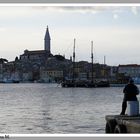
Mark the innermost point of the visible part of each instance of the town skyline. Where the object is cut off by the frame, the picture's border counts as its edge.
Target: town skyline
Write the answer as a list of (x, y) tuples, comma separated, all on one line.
[(113, 30)]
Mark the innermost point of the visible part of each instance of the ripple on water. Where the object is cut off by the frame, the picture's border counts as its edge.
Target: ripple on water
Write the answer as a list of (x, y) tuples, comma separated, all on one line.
[(49, 118), (23, 126), (84, 126), (64, 110), (3, 124), (29, 129)]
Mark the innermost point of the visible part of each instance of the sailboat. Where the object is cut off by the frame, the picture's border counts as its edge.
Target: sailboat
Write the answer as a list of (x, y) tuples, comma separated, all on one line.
[(88, 83), (77, 83), (74, 82), (71, 82)]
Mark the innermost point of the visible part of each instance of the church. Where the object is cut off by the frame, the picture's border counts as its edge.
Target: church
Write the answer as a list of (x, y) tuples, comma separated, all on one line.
[(39, 55)]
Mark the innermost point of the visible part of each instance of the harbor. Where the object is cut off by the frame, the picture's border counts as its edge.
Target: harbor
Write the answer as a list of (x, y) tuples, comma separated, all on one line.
[(67, 67), (43, 66)]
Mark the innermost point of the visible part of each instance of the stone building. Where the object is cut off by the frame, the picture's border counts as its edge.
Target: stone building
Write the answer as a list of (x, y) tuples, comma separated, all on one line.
[(55, 69), (32, 61), (51, 75), (83, 70), (39, 55)]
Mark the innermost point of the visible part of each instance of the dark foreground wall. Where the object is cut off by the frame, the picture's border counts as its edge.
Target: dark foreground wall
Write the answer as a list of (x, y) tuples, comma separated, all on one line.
[(76, 138)]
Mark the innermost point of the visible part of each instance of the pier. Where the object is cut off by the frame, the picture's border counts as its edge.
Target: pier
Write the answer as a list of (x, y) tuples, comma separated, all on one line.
[(122, 124)]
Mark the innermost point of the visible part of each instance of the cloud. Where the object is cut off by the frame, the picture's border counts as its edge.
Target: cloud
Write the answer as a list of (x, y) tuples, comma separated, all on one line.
[(115, 16), (134, 10), (11, 12), (79, 9), (71, 8)]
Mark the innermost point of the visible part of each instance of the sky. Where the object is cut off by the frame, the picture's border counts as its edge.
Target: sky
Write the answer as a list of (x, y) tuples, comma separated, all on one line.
[(114, 30)]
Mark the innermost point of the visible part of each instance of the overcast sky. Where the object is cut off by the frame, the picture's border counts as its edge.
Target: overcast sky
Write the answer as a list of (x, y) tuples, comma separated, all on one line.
[(114, 30)]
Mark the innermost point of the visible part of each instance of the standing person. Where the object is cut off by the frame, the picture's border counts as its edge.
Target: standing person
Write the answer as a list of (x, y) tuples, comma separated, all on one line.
[(130, 91)]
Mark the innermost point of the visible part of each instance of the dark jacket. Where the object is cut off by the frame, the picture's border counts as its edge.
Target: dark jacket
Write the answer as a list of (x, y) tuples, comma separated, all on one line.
[(130, 91)]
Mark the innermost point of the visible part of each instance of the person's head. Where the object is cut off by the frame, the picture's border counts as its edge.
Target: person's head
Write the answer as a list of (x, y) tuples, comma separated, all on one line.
[(131, 81)]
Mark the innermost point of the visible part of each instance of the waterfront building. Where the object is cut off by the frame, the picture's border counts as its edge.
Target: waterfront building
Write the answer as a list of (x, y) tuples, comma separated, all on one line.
[(113, 71), (82, 76), (100, 71), (55, 68), (56, 75), (83, 71), (51, 75), (27, 76), (132, 70)]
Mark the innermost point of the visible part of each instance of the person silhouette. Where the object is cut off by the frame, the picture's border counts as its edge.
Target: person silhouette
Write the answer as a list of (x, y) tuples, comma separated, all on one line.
[(130, 91)]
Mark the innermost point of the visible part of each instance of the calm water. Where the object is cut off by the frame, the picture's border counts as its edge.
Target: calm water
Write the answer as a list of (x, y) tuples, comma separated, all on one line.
[(50, 109)]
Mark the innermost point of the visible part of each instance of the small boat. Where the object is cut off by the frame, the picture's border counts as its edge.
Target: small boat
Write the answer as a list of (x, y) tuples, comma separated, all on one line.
[(7, 81)]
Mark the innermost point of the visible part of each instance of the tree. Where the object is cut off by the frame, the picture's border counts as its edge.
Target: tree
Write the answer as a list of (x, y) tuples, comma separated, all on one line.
[(3, 60), (16, 59), (59, 57)]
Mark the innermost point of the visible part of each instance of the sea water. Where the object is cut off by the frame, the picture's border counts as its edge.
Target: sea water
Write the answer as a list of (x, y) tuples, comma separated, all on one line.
[(50, 109)]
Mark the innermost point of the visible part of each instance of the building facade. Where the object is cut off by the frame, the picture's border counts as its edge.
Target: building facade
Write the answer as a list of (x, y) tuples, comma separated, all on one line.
[(132, 70), (38, 55)]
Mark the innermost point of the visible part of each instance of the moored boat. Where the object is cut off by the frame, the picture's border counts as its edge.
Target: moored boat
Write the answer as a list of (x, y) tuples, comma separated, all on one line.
[(103, 84), (85, 84)]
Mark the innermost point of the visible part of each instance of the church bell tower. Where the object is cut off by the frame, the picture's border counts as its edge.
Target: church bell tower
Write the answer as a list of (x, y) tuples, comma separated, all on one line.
[(47, 39)]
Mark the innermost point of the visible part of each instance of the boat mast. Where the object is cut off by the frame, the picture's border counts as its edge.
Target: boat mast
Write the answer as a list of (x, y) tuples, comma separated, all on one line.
[(92, 61), (73, 61), (104, 60), (104, 65)]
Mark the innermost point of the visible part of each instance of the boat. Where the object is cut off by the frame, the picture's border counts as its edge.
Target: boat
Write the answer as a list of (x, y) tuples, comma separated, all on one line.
[(10, 80), (103, 84), (16, 81), (7, 81), (70, 83), (84, 83), (67, 83)]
